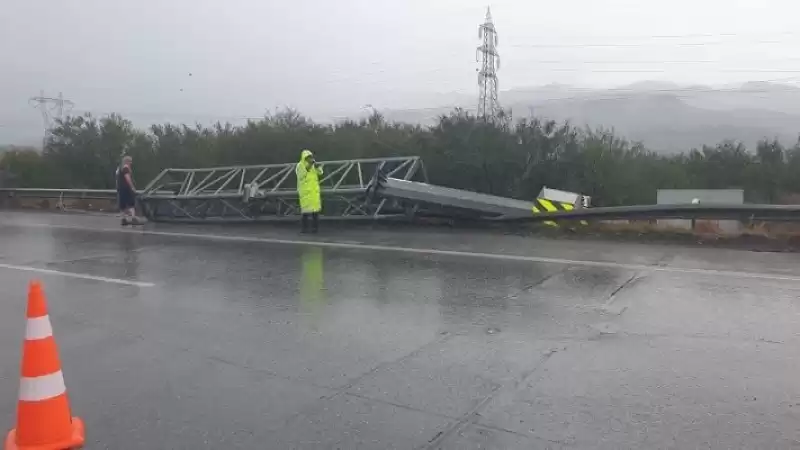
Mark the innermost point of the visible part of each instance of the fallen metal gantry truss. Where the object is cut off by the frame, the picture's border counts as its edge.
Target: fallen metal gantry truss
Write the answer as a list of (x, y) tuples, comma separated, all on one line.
[(377, 188), (433, 200), (269, 192)]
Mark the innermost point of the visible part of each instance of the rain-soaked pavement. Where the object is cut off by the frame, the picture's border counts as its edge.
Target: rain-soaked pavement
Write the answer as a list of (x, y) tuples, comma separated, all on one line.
[(177, 337)]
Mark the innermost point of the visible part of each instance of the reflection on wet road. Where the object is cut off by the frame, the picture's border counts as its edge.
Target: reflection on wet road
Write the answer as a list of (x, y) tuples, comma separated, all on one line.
[(176, 341)]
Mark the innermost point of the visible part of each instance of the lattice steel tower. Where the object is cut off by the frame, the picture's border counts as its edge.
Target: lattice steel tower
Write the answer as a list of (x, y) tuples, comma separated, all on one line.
[(486, 54), (51, 109)]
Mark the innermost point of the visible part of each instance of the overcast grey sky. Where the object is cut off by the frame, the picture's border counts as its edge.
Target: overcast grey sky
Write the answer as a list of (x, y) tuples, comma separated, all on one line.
[(329, 57)]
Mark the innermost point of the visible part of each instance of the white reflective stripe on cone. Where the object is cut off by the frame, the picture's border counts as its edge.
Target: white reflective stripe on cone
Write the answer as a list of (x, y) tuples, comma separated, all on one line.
[(38, 328), (34, 389)]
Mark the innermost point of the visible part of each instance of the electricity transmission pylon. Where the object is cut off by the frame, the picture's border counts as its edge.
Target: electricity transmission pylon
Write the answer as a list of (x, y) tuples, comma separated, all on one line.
[(51, 109), (486, 54)]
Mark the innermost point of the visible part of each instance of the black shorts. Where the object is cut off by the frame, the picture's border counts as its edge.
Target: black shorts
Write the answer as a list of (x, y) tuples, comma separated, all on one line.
[(126, 199)]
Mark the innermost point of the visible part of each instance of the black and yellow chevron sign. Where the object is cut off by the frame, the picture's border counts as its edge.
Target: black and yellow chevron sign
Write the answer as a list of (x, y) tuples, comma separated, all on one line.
[(541, 205)]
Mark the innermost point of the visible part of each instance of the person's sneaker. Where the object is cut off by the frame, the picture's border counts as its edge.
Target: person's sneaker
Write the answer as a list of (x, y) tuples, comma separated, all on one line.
[(124, 221)]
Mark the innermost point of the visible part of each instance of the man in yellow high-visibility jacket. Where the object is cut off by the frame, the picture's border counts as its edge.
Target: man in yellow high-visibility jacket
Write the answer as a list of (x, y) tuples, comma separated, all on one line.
[(308, 173)]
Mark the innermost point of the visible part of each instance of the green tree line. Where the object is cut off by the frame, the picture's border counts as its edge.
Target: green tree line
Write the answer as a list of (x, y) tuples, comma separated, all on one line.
[(506, 157)]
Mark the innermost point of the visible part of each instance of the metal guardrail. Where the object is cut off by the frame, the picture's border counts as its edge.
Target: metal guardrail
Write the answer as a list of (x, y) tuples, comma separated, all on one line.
[(746, 212), (690, 211), (57, 194), (60, 193)]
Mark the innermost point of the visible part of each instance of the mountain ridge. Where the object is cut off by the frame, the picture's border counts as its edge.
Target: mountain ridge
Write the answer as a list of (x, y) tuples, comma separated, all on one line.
[(664, 116)]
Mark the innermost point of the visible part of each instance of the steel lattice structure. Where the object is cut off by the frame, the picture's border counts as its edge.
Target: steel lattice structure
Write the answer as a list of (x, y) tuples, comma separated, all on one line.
[(488, 103), (269, 192)]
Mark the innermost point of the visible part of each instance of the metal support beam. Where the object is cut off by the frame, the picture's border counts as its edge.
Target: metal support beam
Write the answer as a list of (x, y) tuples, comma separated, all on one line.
[(269, 192)]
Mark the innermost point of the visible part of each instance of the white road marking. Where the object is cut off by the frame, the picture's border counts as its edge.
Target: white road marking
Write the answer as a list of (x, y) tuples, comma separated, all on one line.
[(81, 276), (426, 251)]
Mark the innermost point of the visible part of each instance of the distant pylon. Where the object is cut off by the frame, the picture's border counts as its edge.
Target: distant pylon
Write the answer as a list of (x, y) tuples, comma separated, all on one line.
[(51, 109), (486, 54)]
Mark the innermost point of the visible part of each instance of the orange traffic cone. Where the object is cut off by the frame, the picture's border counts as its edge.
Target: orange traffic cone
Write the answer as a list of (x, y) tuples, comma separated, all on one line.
[(44, 421)]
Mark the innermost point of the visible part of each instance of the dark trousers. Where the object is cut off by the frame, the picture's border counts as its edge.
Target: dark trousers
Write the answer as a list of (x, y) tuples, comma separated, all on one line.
[(314, 222), (126, 199)]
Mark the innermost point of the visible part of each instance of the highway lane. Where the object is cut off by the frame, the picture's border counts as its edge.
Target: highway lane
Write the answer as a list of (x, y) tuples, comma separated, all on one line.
[(243, 337)]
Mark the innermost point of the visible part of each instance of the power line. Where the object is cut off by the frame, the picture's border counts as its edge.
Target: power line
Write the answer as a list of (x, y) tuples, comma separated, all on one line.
[(773, 82), (638, 45), (574, 69), (664, 36), (652, 61)]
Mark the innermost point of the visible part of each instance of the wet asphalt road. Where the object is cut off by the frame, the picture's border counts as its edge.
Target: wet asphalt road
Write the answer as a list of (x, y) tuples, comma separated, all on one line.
[(241, 337)]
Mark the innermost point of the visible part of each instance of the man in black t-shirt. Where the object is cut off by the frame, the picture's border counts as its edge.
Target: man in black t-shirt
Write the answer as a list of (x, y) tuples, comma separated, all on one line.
[(126, 192)]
